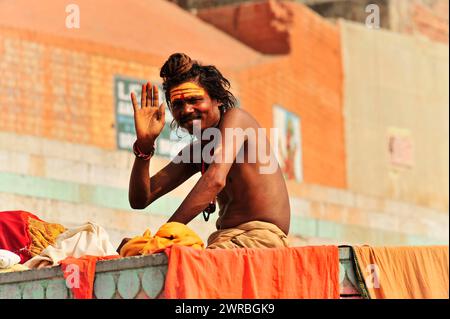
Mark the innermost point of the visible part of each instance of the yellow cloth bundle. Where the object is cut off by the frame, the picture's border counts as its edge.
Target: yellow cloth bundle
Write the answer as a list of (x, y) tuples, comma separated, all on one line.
[(42, 235), (169, 234)]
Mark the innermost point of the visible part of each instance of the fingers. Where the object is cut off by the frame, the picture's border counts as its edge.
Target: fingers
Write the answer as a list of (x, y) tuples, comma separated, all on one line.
[(162, 111), (143, 95), (149, 94), (134, 101), (155, 99)]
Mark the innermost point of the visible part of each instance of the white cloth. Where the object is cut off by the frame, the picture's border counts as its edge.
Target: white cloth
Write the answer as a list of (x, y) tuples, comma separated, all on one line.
[(8, 259), (88, 239)]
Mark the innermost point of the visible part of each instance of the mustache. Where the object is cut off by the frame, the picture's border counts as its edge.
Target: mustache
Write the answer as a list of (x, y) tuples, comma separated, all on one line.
[(187, 118)]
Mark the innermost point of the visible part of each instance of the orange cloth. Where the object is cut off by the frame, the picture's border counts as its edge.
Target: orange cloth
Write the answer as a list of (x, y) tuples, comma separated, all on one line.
[(168, 235), (80, 277), (268, 273), (404, 272)]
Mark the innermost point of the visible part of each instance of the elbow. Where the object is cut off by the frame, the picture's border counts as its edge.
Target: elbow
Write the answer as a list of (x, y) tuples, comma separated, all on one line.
[(214, 180), (138, 204), (218, 184)]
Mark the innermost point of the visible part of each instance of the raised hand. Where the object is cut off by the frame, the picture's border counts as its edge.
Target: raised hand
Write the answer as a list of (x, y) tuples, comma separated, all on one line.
[(149, 118)]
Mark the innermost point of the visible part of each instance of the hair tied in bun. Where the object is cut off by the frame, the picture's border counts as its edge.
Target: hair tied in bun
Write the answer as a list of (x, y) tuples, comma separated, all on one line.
[(176, 65)]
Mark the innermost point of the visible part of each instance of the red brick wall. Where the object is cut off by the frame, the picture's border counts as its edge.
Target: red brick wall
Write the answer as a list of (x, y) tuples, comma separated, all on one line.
[(308, 82), (264, 26), (63, 89)]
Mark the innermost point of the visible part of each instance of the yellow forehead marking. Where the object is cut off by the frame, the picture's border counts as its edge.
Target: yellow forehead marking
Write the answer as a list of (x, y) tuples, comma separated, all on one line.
[(185, 90)]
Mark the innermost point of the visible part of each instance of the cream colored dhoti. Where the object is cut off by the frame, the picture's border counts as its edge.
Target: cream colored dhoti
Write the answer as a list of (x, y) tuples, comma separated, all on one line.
[(255, 234)]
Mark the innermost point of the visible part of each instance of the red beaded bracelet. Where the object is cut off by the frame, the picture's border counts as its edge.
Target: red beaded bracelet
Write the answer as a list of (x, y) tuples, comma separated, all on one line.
[(141, 155)]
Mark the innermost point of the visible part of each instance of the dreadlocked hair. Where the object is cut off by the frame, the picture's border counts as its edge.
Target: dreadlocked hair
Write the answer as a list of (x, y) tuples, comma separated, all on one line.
[(180, 68)]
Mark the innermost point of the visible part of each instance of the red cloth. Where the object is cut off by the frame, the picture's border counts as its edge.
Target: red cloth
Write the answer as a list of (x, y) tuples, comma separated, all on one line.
[(266, 273), (80, 276), (14, 235)]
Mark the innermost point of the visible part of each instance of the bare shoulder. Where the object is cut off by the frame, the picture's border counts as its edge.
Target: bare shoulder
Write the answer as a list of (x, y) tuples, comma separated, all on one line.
[(237, 117)]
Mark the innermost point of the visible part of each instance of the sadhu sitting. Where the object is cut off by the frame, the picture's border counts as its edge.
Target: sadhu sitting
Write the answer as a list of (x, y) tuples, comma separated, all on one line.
[(239, 171)]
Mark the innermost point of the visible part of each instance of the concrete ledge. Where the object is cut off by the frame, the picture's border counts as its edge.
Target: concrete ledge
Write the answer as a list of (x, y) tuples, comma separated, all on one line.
[(139, 277), (102, 266)]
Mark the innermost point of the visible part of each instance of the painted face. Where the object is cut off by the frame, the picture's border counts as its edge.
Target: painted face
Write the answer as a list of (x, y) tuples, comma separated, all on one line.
[(190, 102)]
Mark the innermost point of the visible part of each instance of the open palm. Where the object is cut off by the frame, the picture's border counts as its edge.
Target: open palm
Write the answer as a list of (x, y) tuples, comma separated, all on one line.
[(149, 118)]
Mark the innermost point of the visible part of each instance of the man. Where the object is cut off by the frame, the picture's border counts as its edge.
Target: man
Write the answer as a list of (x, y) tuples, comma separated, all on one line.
[(254, 206)]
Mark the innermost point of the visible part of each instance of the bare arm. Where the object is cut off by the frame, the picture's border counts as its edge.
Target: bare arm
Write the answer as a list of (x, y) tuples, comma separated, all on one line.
[(144, 190), (149, 121), (214, 179), (139, 189)]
